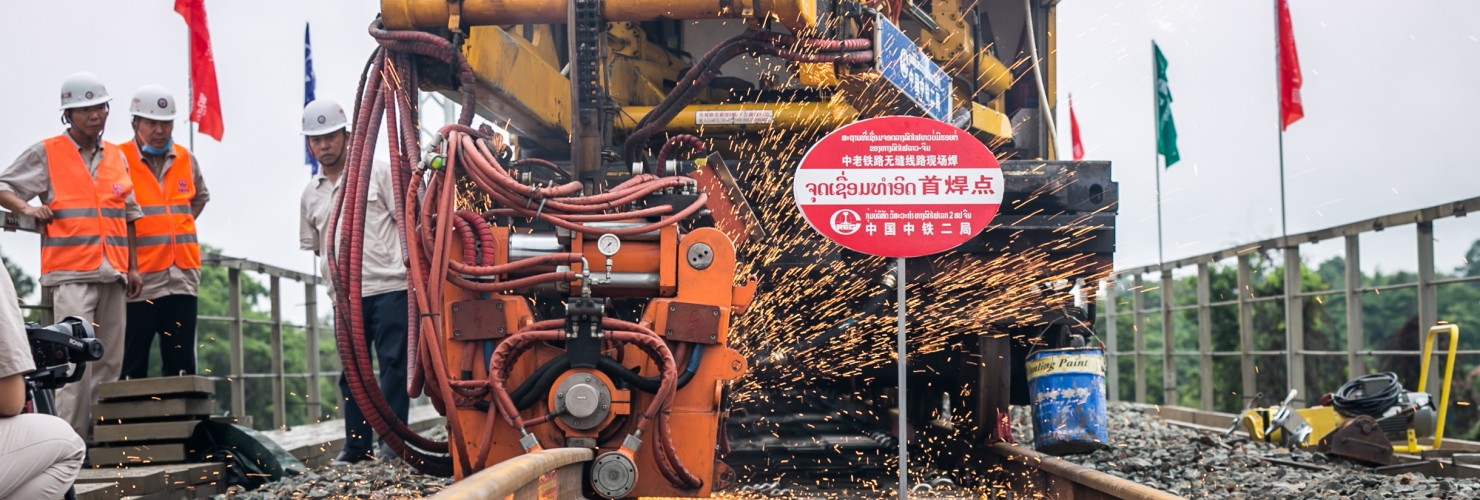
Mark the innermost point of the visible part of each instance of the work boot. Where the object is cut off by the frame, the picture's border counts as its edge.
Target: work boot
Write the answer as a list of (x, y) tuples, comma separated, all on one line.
[(346, 459)]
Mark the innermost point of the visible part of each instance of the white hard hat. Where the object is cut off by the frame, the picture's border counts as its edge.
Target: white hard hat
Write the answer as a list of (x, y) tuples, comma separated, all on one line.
[(82, 90), (153, 102), (323, 116)]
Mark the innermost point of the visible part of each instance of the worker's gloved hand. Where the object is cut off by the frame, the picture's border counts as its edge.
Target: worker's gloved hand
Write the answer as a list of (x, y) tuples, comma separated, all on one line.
[(135, 284), (42, 214)]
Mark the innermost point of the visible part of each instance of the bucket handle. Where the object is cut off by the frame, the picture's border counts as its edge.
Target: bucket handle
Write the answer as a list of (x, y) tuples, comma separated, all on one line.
[(1035, 344)]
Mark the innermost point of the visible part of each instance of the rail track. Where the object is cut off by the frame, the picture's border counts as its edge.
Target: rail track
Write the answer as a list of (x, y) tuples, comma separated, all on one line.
[(1018, 473)]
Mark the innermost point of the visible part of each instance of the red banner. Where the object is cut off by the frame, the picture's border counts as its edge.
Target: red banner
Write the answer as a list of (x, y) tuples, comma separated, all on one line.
[(1290, 107), (205, 101)]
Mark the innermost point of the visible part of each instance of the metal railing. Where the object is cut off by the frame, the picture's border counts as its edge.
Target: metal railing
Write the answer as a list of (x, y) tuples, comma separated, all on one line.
[(1292, 298), (237, 375), (311, 328)]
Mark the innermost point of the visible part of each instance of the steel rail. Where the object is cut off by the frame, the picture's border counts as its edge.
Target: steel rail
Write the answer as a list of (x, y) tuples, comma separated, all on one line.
[(1061, 479), (553, 473)]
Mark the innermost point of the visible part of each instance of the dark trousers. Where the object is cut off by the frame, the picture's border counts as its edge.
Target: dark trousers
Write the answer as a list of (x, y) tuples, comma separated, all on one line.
[(172, 319), (385, 330)]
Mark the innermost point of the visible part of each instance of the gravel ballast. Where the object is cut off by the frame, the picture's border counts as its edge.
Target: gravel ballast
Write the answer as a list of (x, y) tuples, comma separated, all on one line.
[(1199, 464), (1144, 449), (370, 479)]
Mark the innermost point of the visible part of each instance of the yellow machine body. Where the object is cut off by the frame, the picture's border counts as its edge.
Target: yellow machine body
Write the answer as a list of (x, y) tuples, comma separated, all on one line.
[(1322, 420)]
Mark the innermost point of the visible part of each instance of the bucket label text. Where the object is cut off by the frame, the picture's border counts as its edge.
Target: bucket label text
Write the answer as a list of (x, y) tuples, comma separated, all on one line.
[(1081, 363)]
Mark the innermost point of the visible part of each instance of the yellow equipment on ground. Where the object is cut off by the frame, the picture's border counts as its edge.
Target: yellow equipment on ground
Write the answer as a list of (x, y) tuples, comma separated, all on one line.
[(1409, 417)]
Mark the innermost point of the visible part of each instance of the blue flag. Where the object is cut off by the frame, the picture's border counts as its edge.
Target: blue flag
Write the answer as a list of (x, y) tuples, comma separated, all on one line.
[(308, 91)]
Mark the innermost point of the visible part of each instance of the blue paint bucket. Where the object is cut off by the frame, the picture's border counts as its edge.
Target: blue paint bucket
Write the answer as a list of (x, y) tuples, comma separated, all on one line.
[(1067, 387)]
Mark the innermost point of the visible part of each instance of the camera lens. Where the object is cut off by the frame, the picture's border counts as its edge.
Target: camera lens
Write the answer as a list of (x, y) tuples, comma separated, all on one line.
[(93, 348)]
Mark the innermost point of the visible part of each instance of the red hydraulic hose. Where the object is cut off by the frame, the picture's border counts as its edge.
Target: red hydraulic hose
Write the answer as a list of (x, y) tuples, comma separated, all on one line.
[(484, 232), (357, 185), (444, 196), (676, 141), (346, 269), (548, 259), (646, 212)]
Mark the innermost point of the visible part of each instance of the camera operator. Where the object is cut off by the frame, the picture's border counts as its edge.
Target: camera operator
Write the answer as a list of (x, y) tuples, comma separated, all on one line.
[(40, 455)]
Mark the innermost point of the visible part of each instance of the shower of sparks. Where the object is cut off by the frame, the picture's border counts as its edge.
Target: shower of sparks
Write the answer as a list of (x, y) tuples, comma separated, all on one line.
[(810, 285)]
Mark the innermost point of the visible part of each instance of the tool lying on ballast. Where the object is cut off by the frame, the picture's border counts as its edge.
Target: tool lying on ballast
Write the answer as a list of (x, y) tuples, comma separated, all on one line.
[(1366, 410)]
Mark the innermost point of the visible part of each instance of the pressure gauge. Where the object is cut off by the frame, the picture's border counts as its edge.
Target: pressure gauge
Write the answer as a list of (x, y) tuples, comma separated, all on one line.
[(608, 244)]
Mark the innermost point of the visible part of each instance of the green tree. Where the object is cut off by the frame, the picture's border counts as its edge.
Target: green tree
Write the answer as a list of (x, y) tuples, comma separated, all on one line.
[(24, 283), (24, 286)]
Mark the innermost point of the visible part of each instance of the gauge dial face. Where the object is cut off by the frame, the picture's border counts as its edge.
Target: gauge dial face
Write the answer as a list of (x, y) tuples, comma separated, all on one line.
[(608, 244)]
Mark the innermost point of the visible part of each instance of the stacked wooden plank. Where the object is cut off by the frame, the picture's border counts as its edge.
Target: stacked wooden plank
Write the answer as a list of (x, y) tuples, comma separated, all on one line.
[(152, 481), (148, 421)]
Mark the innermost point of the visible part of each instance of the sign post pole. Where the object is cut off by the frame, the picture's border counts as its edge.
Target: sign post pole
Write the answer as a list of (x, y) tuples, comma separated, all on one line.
[(899, 187), (904, 453)]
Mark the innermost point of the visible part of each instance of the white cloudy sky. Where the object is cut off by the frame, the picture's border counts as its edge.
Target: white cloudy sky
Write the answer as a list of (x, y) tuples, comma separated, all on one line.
[(1391, 98)]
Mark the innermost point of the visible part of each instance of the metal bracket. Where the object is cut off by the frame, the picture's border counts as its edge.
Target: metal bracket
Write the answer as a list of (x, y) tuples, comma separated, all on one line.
[(583, 331), (454, 16)]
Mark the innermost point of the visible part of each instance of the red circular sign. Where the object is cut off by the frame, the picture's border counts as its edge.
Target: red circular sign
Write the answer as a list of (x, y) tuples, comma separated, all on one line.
[(898, 186)]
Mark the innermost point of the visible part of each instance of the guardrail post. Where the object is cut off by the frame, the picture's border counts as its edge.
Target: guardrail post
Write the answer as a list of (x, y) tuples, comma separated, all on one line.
[(1355, 338), (1112, 344), (1428, 304), (1294, 325), (48, 305), (1246, 328), (1168, 342), (238, 364), (1138, 303), (311, 344), (279, 392), (1204, 338)]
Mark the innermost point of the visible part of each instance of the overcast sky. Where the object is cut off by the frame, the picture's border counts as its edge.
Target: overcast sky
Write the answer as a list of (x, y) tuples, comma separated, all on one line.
[(1392, 92), (1391, 99)]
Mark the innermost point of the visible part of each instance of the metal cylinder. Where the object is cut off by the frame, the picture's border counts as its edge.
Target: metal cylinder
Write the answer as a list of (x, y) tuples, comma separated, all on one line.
[(721, 118), (434, 14), (529, 246), (620, 284), (613, 475)]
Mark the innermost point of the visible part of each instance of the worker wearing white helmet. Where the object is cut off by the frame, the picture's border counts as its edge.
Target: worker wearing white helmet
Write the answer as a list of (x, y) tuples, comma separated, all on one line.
[(169, 188), (87, 255), (383, 274)]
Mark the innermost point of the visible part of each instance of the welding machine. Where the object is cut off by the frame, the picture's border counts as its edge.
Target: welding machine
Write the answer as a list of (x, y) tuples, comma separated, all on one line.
[(1401, 416)]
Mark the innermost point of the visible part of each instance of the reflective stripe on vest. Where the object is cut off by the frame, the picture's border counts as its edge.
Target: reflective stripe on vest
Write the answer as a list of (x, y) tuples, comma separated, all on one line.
[(88, 209), (166, 233)]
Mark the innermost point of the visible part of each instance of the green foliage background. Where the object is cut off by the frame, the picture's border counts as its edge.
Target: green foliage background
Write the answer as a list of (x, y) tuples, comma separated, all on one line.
[(1389, 322)]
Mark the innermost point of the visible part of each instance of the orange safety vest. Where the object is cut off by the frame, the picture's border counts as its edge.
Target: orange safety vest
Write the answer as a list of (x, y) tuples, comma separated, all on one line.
[(166, 234), (88, 220)]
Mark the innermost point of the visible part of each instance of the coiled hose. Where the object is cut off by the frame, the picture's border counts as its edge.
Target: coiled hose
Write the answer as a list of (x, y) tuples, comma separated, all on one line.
[(1373, 404)]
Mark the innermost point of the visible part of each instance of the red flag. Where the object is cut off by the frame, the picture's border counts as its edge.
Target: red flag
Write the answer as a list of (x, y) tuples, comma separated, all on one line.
[(1290, 107), (205, 102), (1074, 131)]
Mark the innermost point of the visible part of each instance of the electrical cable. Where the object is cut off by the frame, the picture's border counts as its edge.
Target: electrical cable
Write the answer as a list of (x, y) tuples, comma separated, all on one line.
[(1353, 398)]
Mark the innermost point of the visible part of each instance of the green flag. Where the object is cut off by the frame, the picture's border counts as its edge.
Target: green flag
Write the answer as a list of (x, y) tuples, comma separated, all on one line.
[(1166, 129)]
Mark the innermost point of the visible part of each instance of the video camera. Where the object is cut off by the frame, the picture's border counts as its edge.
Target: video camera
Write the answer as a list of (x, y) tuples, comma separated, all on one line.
[(57, 348)]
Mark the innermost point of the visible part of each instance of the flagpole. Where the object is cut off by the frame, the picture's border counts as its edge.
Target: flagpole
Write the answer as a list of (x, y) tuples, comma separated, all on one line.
[(190, 84), (1280, 120), (1156, 156)]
